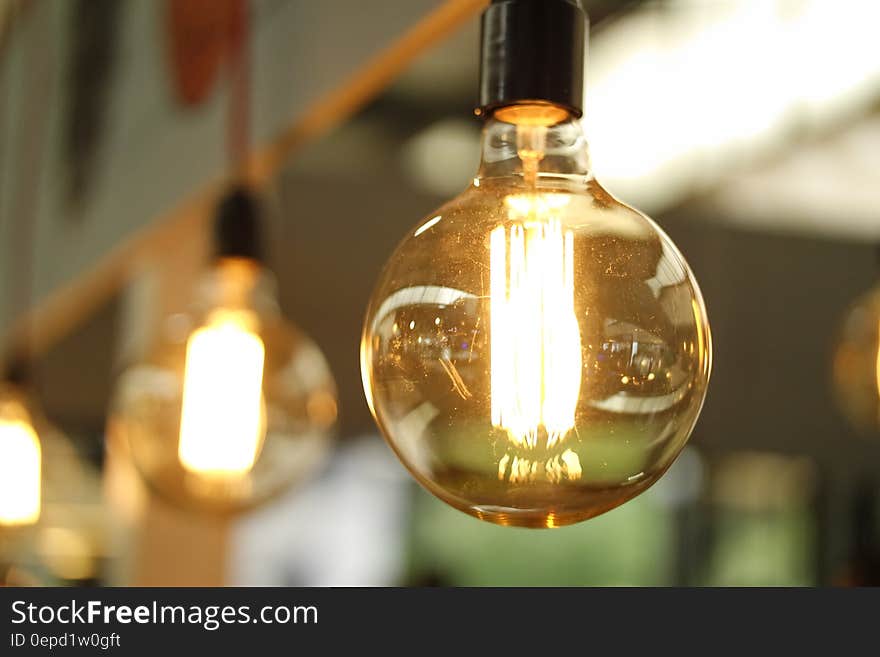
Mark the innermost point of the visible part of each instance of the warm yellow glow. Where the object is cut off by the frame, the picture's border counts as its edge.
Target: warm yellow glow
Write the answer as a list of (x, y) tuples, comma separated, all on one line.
[(519, 470), (222, 426), (535, 340), (702, 348), (427, 225), (728, 110), (877, 369), (20, 463)]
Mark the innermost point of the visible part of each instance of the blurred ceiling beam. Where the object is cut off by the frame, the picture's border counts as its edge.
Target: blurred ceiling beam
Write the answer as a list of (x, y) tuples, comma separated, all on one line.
[(68, 303)]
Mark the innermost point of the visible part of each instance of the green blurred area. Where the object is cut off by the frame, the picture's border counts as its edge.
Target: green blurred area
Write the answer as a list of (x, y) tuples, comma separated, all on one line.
[(630, 546)]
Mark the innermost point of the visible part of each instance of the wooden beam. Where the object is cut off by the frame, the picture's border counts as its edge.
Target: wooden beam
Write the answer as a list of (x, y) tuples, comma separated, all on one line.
[(58, 314)]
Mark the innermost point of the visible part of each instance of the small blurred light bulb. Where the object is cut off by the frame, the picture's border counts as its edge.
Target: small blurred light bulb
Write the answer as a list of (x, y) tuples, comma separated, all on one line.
[(233, 404), (20, 469)]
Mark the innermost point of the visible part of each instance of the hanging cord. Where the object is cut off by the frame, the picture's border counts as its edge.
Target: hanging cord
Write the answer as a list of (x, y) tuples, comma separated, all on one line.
[(21, 272), (236, 219), (239, 119)]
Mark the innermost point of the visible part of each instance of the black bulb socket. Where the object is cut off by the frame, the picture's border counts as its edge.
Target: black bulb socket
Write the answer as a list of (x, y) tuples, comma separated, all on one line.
[(532, 51)]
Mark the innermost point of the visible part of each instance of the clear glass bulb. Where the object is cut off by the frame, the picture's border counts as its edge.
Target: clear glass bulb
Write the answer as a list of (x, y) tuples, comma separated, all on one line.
[(233, 405), (536, 352), (856, 368)]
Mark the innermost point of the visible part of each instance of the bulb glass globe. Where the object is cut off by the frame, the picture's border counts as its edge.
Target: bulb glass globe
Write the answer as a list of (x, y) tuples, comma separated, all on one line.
[(233, 405), (535, 351)]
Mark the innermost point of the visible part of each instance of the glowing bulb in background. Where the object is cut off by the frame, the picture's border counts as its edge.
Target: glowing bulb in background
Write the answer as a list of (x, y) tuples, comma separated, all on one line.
[(20, 472), (856, 366), (536, 352), (45, 488), (222, 426)]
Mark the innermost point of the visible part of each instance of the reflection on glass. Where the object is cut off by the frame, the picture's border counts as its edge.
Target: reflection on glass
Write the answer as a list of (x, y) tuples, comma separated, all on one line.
[(222, 425)]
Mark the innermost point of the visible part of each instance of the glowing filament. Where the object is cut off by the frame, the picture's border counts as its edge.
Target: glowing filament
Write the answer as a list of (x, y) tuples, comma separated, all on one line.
[(518, 470), (221, 426), (20, 462), (535, 341)]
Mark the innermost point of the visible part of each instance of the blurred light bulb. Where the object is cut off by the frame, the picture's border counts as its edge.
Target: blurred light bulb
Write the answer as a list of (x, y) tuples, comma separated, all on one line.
[(222, 425), (535, 352), (44, 485), (856, 371), (20, 469), (232, 405)]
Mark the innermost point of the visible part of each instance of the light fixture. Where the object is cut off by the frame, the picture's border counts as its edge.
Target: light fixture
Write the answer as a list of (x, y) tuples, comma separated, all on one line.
[(21, 460), (234, 404), (46, 488), (856, 367), (535, 352)]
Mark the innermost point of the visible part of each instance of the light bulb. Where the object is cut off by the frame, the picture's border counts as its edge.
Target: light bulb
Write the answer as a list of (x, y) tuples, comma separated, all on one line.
[(45, 488), (20, 465), (233, 404), (535, 352), (856, 371)]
